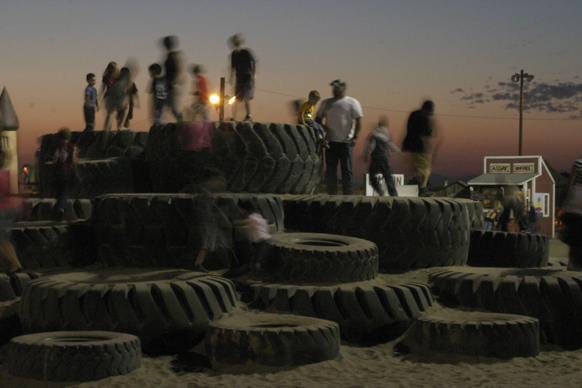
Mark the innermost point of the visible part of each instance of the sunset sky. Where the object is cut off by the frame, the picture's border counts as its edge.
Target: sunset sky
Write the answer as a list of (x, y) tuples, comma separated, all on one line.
[(393, 55)]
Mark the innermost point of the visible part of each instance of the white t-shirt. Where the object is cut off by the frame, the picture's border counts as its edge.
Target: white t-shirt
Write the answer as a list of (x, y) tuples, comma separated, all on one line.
[(258, 228), (339, 117)]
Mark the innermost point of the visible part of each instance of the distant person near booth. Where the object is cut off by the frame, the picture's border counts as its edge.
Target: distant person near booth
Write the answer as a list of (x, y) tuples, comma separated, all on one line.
[(490, 218), (379, 146), (342, 115)]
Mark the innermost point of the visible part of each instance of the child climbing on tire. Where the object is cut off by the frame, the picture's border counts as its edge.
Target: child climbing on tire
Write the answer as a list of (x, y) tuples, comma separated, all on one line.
[(258, 234)]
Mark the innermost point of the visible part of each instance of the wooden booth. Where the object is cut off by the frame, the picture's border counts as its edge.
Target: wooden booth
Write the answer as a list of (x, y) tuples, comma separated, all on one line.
[(527, 177)]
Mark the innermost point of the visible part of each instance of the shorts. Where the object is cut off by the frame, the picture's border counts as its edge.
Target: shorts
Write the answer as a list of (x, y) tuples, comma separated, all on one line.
[(245, 88), (422, 163)]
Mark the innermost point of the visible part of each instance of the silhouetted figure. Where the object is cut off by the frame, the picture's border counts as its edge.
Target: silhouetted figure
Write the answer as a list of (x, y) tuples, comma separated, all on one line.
[(419, 133), (174, 68), (159, 92), (91, 105), (64, 171), (244, 65), (379, 146), (342, 115), (572, 217), (200, 90)]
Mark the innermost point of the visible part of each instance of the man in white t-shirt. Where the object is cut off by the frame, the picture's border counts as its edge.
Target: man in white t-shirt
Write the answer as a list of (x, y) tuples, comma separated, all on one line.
[(342, 116)]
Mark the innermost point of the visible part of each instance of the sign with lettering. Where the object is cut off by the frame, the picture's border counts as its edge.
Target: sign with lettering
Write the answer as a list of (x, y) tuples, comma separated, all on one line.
[(499, 168), (520, 168)]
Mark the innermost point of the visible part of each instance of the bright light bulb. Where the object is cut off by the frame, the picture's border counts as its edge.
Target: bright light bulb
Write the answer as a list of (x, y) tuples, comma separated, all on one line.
[(232, 100), (214, 99)]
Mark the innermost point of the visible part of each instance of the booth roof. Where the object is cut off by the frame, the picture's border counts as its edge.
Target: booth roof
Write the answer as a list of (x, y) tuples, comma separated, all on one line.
[(503, 179)]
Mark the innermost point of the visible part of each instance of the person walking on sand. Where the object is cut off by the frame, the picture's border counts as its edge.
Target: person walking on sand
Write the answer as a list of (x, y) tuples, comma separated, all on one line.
[(420, 143), (244, 65), (342, 115), (379, 146), (91, 105), (174, 69)]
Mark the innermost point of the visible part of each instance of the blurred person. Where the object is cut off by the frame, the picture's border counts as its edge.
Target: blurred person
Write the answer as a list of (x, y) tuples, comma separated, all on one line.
[(379, 146), (10, 210), (512, 217), (342, 115), (117, 103), (490, 218), (200, 90), (132, 99), (109, 76), (532, 218), (306, 115), (244, 65), (420, 143), (159, 91), (572, 217), (259, 237), (65, 159), (174, 69), (91, 105)]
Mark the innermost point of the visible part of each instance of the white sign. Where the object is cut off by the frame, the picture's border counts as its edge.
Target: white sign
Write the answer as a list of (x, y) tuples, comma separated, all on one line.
[(402, 189), (523, 168), (496, 168)]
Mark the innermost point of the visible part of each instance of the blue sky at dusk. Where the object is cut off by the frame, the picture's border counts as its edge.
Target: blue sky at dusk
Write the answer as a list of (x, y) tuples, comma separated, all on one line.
[(392, 54)]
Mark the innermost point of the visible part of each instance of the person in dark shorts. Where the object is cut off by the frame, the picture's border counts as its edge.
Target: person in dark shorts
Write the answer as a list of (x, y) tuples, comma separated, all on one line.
[(242, 64), (174, 67), (64, 170), (419, 143), (159, 91)]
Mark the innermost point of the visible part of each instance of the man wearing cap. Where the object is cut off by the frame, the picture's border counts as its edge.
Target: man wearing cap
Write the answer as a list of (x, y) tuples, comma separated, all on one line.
[(342, 116)]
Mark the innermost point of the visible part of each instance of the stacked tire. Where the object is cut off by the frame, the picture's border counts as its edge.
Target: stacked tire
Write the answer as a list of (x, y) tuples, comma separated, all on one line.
[(243, 157)]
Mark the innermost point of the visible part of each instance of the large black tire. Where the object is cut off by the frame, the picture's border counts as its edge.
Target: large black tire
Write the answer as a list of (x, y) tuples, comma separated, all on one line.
[(505, 249), (162, 230), (554, 296), (271, 339), (475, 334), (169, 310), (73, 356), (316, 258), (410, 233), (244, 157), (43, 209), (12, 286), (366, 312), (41, 245), (475, 209), (101, 176)]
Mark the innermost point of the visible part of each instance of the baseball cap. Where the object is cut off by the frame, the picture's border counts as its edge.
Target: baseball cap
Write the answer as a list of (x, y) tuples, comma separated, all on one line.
[(338, 82)]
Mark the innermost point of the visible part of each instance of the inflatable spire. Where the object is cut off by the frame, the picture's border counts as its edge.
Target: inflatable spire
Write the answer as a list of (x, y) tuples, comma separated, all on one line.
[(8, 116)]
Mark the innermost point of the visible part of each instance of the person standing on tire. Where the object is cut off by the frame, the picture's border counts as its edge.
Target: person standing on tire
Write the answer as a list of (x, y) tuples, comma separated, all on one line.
[(379, 146), (91, 105), (342, 116), (572, 217), (244, 65), (64, 171), (174, 68), (419, 142)]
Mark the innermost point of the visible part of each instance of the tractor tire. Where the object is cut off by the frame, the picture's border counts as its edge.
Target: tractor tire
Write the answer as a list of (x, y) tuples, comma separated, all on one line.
[(168, 309), (411, 233), (271, 339), (73, 356), (315, 258), (510, 250), (552, 295)]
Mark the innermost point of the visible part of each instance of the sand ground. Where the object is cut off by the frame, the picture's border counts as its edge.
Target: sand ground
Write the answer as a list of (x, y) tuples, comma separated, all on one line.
[(355, 367)]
